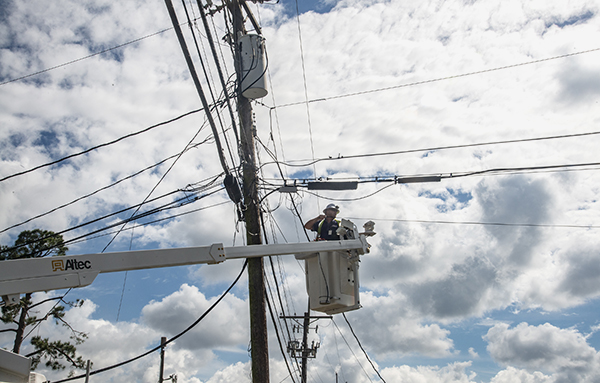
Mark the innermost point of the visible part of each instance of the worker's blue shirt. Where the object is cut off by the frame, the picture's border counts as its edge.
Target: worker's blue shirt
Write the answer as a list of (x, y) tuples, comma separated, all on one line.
[(327, 231)]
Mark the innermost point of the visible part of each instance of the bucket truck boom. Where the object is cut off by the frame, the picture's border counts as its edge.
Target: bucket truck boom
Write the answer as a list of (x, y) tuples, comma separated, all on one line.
[(53, 273)]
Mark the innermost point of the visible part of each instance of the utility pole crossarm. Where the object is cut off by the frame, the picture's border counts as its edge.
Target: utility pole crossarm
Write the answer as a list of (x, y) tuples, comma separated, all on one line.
[(53, 273)]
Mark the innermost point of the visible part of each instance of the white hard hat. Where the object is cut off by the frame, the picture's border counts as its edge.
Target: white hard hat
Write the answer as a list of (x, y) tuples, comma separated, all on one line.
[(332, 206)]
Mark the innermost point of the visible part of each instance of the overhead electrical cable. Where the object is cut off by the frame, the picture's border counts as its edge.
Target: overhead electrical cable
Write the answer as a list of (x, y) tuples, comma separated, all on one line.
[(101, 145), (127, 220), (86, 57), (434, 148), (337, 350), (279, 340), (168, 341), (217, 64), (158, 183), (176, 203), (197, 84), (351, 350), (306, 101), (271, 110), (209, 80), (94, 220), (362, 348), (101, 189), (87, 238), (58, 301), (144, 214), (496, 171), (276, 282), (432, 177), (352, 199), (438, 79), (185, 149), (263, 225), (510, 224)]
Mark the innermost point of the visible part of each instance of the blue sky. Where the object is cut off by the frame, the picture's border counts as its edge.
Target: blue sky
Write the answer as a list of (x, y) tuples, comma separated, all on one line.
[(487, 277)]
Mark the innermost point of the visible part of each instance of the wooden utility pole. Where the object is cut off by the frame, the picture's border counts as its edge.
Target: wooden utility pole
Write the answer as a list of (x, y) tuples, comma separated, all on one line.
[(163, 342), (256, 283), (305, 351), (301, 350)]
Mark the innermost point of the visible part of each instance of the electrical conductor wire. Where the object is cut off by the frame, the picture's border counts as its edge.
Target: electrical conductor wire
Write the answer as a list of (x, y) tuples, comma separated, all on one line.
[(157, 184), (434, 148), (168, 341), (362, 348), (100, 146), (99, 190), (351, 350), (438, 79)]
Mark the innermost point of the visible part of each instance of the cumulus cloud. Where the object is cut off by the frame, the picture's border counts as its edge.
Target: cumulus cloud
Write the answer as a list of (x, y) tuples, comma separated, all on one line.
[(455, 372), (389, 332), (225, 328), (513, 375), (563, 352), (432, 268)]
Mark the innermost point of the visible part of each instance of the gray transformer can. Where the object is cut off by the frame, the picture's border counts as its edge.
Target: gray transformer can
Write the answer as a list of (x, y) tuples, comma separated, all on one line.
[(254, 68)]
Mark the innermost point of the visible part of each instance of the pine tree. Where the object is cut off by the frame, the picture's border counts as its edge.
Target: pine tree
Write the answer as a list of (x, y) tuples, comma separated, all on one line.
[(36, 244)]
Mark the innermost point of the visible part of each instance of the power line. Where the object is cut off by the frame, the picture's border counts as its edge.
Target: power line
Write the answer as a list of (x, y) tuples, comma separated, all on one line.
[(283, 354), (208, 75), (312, 148), (157, 183), (197, 85), (549, 225), (88, 56), (100, 146), (101, 189), (151, 222), (433, 177), (352, 199), (351, 350), (177, 203), (142, 215), (555, 168), (437, 79), (218, 66), (433, 148), (362, 348), (170, 340)]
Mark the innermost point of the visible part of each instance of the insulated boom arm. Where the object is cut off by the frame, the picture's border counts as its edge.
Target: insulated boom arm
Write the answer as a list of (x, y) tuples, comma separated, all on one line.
[(44, 274)]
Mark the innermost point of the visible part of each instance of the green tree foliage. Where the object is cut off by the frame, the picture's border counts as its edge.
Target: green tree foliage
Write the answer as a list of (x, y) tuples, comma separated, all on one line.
[(24, 316)]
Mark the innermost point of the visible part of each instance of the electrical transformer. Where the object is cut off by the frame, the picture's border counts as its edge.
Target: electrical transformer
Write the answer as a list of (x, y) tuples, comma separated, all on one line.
[(254, 68)]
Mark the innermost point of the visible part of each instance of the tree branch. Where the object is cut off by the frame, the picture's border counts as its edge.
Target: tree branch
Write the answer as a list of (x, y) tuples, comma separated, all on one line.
[(46, 300), (34, 353)]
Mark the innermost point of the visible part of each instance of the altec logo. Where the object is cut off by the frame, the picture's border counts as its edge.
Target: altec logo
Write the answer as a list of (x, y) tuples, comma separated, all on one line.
[(70, 264)]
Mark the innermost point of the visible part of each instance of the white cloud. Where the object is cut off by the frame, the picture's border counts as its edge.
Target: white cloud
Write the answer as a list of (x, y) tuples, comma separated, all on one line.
[(225, 328), (454, 373), (563, 352), (513, 375), (472, 353), (419, 277)]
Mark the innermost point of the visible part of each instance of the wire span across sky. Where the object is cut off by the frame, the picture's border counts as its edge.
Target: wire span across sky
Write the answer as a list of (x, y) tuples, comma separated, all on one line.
[(305, 163), (536, 43)]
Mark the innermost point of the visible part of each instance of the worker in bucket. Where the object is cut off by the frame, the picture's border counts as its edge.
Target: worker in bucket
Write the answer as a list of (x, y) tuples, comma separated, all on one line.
[(326, 224)]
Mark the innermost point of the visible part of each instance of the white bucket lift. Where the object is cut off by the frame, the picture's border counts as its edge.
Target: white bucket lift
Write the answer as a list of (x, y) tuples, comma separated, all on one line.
[(332, 276), (16, 368), (254, 68)]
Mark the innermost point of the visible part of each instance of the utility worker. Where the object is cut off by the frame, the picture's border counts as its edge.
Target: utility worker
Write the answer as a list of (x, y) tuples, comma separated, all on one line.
[(326, 224)]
